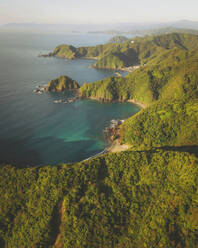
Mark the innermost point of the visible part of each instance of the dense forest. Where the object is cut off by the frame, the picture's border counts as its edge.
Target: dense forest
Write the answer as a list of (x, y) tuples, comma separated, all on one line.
[(129, 199), (162, 124), (144, 197)]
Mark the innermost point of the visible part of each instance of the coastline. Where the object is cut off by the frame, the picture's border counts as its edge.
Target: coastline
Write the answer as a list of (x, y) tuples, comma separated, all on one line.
[(139, 104), (115, 146), (126, 69)]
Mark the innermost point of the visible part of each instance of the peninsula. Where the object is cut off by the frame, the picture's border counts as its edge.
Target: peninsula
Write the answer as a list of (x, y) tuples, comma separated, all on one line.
[(133, 52)]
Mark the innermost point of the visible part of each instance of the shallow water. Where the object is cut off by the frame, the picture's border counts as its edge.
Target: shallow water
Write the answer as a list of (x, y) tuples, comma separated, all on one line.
[(34, 130)]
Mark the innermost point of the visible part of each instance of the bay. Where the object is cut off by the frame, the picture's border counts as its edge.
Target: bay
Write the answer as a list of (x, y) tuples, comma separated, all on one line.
[(34, 130)]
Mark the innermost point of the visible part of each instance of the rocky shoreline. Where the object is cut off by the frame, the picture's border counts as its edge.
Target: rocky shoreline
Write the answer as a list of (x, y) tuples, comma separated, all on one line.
[(112, 135), (139, 104)]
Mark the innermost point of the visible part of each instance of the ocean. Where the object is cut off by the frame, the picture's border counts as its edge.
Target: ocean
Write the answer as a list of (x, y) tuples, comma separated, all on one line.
[(33, 129)]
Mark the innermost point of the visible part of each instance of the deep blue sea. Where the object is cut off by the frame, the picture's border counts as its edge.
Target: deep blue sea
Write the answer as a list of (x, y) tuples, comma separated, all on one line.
[(33, 129)]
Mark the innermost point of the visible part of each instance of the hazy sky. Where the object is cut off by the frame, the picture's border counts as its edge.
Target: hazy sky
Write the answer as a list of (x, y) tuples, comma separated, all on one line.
[(96, 11)]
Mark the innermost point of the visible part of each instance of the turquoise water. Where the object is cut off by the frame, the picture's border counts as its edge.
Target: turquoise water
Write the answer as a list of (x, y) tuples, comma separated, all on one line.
[(34, 130)]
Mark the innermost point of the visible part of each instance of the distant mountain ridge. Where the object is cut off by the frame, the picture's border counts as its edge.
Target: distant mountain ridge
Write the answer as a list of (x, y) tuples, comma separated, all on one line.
[(116, 27)]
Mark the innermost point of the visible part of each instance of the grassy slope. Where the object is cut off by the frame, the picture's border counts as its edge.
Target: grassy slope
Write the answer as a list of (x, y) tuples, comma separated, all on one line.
[(131, 199)]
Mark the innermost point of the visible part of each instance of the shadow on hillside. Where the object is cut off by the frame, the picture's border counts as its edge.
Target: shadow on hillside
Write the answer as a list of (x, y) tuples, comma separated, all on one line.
[(189, 149)]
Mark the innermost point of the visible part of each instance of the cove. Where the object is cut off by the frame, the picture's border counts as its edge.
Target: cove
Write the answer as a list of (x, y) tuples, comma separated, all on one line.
[(34, 130)]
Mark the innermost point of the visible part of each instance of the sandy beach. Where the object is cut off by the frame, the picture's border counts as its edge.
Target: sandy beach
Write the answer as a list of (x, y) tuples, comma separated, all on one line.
[(117, 147), (142, 105)]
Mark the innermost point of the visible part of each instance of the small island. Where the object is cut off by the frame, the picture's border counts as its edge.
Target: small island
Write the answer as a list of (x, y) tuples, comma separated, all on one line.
[(61, 84), (118, 39)]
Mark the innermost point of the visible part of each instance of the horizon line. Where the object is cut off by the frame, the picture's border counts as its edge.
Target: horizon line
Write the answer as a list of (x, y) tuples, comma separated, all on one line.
[(100, 23)]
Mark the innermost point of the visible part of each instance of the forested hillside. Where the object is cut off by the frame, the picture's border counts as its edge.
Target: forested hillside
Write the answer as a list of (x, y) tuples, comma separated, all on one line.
[(165, 123), (131, 199), (172, 74), (135, 51)]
